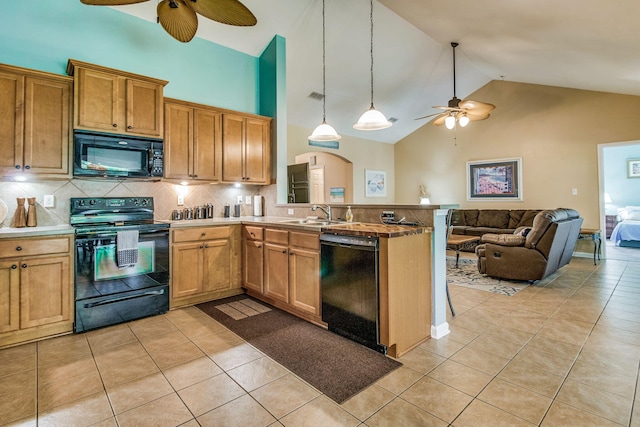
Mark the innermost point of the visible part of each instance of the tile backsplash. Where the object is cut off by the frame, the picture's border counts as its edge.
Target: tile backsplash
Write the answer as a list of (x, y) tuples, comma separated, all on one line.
[(165, 196)]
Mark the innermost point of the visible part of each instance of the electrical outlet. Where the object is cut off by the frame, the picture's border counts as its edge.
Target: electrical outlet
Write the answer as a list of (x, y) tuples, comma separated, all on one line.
[(574, 191), (290, 211), (49, 201), (180, 200), (239, 201), (247, 200), (388, 215)]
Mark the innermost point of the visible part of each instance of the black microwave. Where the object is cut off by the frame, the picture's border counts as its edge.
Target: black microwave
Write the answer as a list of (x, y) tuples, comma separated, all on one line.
[(116, 156)]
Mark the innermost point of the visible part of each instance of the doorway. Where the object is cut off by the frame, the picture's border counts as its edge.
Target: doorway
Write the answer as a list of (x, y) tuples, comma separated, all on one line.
[(618, 193)]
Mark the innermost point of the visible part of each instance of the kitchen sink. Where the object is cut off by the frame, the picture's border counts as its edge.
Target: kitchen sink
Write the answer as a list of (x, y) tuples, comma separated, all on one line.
[(308, 221)]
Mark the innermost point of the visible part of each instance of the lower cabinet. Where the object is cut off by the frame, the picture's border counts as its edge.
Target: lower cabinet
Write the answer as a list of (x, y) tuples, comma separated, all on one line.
[(36, 288), (205, 264), (290, 269)]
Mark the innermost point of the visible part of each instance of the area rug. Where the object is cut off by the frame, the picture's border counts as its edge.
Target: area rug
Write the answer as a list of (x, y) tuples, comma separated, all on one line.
[(467, 275), (336, 366)]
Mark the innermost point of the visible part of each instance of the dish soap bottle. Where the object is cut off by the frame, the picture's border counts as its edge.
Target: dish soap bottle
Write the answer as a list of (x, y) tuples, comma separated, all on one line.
[(349, 214)]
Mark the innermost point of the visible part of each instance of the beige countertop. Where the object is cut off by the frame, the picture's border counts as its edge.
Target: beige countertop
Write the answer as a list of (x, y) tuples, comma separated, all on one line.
[(308, 224)]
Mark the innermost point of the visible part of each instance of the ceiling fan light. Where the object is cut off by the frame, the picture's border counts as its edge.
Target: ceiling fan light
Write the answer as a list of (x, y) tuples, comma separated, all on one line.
[(372, 119), (324, 132), (450, 122), (463, 120)]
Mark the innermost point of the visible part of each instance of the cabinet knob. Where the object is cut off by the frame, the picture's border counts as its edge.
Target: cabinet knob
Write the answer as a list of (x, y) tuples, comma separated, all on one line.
[(24, 265), (17, 166), (27, 167), (206, 246), (203, 234), (195, 176), (115, 125), (201, 246), (252, 234), (129, 127), (13, 267), (259, 246), (284, 252), (19, 248)]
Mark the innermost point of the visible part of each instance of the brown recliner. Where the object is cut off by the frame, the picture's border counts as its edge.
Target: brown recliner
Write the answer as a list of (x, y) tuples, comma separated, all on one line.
[(548, 246)]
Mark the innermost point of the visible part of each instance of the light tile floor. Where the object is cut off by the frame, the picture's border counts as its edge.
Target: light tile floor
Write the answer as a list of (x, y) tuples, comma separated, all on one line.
[(566, 354)]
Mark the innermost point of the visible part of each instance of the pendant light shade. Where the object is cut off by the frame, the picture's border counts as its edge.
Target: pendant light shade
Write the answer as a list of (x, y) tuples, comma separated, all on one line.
[(463, 120), (324, 131), (372, 119), (450, 121)]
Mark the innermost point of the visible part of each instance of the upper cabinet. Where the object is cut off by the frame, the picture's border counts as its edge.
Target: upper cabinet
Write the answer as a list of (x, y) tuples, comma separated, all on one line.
[(109, 100), (35, 122), (193, 141), (246, 148)]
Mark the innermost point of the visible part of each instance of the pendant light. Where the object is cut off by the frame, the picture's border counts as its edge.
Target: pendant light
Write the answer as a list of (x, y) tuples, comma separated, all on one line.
[(372, 119), (324, 131)]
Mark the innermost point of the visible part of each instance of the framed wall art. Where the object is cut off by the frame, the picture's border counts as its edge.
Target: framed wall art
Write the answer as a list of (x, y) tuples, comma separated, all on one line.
[(375, 183), (499, 179), (633, 168)]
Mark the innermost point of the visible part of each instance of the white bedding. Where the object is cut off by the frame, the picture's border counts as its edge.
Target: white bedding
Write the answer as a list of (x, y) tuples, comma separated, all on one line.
[(628, 229)]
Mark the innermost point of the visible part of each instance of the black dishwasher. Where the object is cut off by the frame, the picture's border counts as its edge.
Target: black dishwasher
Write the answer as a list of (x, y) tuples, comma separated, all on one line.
[(349, 287)]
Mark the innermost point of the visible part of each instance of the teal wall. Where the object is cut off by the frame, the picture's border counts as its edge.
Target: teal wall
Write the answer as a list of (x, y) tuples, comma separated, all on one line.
[(43, 34), (624, 191)]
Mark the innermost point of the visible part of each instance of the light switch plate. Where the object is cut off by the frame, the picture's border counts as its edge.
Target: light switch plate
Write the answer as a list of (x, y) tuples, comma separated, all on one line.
[(180, 200), (247, 200), (49, 201), (239, 201)]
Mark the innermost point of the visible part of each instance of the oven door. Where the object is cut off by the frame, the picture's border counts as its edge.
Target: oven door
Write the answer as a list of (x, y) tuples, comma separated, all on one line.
[(106, 294)]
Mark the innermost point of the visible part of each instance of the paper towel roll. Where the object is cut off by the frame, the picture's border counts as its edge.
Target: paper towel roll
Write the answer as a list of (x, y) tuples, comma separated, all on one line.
[(257, 205)]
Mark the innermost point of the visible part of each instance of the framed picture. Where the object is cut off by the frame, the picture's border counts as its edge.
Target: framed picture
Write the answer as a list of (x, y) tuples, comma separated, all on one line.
[(499, 179), (633, 168), (375, 183)]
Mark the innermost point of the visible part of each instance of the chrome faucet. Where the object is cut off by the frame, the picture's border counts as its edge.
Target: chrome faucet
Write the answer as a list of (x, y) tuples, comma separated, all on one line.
[(324, 208)]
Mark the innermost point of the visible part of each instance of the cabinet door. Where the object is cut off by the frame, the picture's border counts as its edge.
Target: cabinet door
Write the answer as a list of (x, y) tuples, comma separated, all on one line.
[(304, 279), (11, 122), (186, 274), (207, 145), (217, 265), (47, 120), (97, 101), (9, 298), (252, 264), (178, 138), (232, 148), (276, 272), (144, 108), (44, 291), (257, 151)]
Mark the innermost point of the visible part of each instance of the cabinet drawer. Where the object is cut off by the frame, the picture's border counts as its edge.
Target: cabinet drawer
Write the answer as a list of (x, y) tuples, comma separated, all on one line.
[(304, 240), (276, 236), (201, 233), (253, 233), (19, 247)]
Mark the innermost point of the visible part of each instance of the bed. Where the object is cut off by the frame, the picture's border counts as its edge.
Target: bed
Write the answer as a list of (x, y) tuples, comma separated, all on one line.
[(627, 232)]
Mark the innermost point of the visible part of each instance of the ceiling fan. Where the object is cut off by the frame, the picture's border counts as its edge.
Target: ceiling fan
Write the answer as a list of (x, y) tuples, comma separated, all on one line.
[(460, 111), (179, 19)]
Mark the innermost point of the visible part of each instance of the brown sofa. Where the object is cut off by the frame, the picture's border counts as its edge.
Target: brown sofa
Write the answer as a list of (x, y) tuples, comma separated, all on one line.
[(548, 245), (476, 222)]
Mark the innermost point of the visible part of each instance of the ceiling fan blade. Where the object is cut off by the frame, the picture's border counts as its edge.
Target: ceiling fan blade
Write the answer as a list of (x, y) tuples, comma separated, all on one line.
[(477, 117), (440, 120), (476, 107), (230, 12), (430, 115), (111, 2), (177, 19)]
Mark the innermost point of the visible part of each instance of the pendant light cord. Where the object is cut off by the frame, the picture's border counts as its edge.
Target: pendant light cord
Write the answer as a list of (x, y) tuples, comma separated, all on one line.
[(324, 81), (371, 48)]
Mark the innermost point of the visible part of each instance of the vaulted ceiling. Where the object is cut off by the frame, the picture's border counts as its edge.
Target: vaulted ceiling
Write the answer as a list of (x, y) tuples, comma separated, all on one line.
[(583, 44)]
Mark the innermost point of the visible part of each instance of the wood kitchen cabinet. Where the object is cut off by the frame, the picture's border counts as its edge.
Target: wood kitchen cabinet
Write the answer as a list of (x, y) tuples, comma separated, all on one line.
[(36, 288), (205, 264), (291, 279), (246, 148), (252, 258), (193, 142), (35, 123), (108, 100)]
